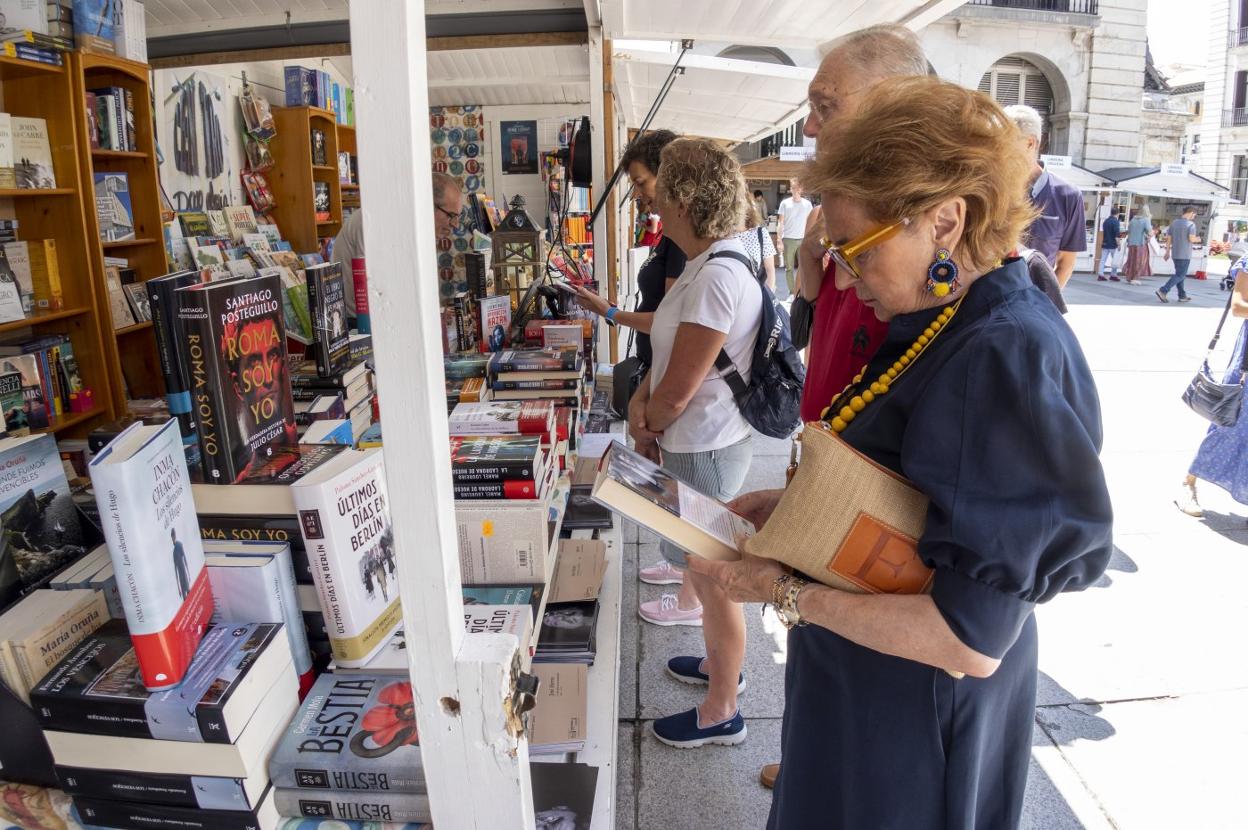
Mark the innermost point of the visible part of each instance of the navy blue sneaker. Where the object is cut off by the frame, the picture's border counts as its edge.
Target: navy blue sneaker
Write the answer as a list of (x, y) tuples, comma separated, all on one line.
[(689, 670), (682, 731)]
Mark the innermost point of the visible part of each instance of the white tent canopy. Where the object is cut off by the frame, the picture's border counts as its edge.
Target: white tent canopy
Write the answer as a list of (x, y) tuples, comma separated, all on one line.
[(1167, 182)]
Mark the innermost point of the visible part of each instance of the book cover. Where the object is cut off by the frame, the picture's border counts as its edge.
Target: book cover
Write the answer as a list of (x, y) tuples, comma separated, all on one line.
[(42, 628), (558, 385), (461, 366), (353, 806), (162, 303), (32, 156), (496, 458), (495, 322), (113, 211), (635, 487), (353, 732), (203, 792), (502, 418), (256, 581), (16, 259), (143, 492), (240, 220), (359, 283), (35, 403), (95, 26), (507, 540), (98, 687), (557, 722), (11, 305), (568, 629), (329, 431), (259, 528), (560, 337), (195, 223), (216, 223), (8, 172), (41, 529), (537, 360), (140, 303), (237, 370), (344, 517), (299, 87), (318, 147), (328, 301), (13, 405), (321, 200), (45, 274)]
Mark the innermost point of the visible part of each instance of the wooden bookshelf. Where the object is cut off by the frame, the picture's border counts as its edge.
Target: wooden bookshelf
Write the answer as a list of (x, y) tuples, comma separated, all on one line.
[(131, 350), (294, 174), (48, 92)]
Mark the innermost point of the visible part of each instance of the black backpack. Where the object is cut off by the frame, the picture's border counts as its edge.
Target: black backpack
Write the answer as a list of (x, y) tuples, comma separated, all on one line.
[(772, 401)]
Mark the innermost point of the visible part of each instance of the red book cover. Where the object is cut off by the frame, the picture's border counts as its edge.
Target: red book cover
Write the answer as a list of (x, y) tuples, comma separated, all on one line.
[(516, 489), (239, 377), (359, 276)]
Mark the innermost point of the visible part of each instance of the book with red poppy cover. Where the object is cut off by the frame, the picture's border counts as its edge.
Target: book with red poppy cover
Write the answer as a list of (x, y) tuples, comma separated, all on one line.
[(353, 732)]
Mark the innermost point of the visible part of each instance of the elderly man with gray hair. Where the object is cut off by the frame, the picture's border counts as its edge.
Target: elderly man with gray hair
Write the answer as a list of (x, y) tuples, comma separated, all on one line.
[(1059, 231), (448, 203)]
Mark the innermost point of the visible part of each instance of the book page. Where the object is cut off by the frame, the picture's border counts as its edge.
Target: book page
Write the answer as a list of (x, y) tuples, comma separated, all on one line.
[(708, 514)]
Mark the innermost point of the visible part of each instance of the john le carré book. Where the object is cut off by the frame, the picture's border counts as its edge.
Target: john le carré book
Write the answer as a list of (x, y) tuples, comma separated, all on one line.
[(96, 688), (634, 486), (344, 517), (235, 341), (353, 732), (327, 298), (148, 515)]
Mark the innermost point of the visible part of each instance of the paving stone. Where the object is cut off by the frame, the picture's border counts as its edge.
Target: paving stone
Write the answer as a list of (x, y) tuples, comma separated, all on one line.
[(626, 778)]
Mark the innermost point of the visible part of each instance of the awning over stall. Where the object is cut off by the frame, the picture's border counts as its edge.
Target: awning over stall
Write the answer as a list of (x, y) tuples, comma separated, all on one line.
[(1171, 181)]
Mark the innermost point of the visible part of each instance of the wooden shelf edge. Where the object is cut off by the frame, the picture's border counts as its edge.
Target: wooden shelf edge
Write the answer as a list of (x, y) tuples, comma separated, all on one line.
[(45, 317), (34, 192), (70, 419), (324, 167), (127, 243), (131, 329), (117, 154), (91, 60), (34, 67)]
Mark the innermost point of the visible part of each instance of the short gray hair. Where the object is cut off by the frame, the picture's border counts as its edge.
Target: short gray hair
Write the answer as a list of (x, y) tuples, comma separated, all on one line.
[(443, 182), (886, 50), (1027, 120)]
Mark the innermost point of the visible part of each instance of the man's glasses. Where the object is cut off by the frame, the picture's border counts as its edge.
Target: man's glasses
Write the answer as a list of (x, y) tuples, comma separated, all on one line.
[(454, 217), (846, 256)]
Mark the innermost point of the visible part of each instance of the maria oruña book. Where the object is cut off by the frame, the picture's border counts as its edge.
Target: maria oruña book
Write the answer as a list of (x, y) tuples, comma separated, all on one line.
[(41, 629), (235, 342), (144, 496), (635, 487), (328, 300), (41, 529), (97, 688), (344, 517), (353, 732)]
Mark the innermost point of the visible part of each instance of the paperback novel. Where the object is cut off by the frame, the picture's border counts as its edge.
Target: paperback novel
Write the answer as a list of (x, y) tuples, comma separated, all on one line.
[(344, 516), (162, 301), (236, 359), (144, 496), (353, 733), (328, 301), (489, 459)]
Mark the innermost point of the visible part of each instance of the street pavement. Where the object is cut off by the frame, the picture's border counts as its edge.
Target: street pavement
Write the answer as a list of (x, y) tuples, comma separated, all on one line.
[(1143, 680)]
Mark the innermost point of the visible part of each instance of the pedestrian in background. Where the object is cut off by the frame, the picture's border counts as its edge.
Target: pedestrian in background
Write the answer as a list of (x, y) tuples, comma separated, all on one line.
[(1058, 232), (1179, 241), (792, 228), (1222, 459), (1111, 229), (1139, 234), (760, 204)]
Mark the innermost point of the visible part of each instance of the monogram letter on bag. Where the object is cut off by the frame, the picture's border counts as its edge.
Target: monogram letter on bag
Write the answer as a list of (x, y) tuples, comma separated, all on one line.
[(881, 559)]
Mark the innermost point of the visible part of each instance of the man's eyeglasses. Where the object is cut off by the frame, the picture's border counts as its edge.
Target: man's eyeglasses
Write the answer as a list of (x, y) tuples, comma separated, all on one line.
[(846, 256), (454, 217)]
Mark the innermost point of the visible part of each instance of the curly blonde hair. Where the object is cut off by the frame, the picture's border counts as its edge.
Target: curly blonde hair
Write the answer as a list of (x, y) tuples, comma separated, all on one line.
[(707, 180), (919, 141)]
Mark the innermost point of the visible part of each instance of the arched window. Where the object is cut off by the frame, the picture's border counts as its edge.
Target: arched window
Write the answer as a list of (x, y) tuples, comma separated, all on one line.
[(1014, 80)]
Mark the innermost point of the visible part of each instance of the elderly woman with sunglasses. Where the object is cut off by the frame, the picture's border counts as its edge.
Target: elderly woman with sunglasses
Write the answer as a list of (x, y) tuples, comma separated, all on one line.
[(916, 711)]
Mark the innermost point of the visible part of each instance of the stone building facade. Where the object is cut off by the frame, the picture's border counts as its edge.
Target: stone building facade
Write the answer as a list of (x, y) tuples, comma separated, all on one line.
[(1223, 151)]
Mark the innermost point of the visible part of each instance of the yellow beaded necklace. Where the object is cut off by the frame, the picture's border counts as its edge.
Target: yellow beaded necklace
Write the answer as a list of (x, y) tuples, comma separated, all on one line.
[(859, 402)]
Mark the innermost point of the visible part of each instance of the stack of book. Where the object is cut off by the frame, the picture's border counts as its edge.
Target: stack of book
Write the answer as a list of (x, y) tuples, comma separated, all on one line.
[(354, 384), (538, 374), (192, 756), (47, 383), (40, 629), (465, 379), (569, 624), (352, 753)]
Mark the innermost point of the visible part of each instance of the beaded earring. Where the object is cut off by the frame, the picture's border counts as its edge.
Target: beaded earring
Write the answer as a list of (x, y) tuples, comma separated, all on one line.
[(942, 274)]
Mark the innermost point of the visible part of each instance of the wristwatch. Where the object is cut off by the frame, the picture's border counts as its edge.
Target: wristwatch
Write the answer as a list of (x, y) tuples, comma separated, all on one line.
[(785, 591)]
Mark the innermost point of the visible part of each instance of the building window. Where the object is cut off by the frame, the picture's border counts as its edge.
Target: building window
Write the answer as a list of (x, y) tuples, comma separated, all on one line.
[(1014, 80), (1239, 178)]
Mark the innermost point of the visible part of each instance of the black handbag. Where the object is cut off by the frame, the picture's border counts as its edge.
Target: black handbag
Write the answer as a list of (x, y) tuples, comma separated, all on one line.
[(1218, 403), (625, 378), (801, 320)]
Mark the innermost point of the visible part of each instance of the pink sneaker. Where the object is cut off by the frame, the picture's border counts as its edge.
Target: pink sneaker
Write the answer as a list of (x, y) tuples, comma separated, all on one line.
[(666, 611), (662, 573)]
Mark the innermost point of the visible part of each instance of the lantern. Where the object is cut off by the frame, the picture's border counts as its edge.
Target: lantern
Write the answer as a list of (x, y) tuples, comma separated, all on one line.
[(517, 257)]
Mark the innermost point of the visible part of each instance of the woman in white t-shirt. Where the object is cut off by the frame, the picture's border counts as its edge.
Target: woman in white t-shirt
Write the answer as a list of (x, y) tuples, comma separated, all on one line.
[(686, 417)]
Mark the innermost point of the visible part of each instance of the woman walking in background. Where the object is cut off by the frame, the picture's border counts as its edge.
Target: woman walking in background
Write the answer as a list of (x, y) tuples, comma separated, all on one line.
[(1139, 236), (1222, 459)]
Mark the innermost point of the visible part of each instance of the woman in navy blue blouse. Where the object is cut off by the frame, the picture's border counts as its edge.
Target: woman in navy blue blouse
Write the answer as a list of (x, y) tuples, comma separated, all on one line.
[(916, 712)]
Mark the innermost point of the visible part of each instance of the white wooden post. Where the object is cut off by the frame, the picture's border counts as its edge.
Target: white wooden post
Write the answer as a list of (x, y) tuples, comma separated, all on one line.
[(597, 151), (476, 768)]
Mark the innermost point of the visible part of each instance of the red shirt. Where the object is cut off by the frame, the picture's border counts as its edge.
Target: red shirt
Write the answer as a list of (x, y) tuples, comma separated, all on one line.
[(843, 339)]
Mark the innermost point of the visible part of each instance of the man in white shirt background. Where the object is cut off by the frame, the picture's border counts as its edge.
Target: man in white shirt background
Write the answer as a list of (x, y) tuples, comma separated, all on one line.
[(792, 228)]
